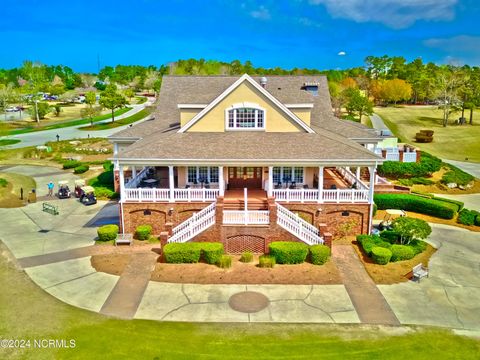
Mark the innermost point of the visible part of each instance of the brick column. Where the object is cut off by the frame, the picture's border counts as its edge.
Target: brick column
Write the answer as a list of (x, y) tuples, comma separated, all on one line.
[(400, 155), (219, 211), (384, 153), (272, 208), (169, 228), (327, 239), (163, 241), (116, 180), (419, 155)]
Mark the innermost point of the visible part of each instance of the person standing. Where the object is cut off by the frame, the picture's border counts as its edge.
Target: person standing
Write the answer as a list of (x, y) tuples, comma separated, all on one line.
[(50, 186)]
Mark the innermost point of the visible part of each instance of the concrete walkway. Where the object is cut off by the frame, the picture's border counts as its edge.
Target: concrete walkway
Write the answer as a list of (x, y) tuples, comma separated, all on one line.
[(377, 123), (369, 302)]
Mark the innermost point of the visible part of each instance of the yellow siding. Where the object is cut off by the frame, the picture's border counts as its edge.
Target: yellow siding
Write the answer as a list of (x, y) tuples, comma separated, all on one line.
[(182, 176), (276, 120), (187, 114), (303, 114)]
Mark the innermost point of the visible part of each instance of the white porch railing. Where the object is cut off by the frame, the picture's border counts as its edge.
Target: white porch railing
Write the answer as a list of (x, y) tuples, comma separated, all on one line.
[(392, 156), (351, 178), (195, 194), (187, 195), (142, 195), (194, 225), (297, 226), (410, 157), (307, 195), (133, 183), (249, 217)]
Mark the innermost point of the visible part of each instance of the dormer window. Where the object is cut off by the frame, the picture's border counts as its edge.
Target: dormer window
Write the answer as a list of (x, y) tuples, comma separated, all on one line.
[(311, 87), (245, 117)]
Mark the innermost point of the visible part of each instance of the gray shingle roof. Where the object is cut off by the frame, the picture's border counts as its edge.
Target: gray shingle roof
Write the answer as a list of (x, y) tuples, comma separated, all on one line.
[(160, 139)]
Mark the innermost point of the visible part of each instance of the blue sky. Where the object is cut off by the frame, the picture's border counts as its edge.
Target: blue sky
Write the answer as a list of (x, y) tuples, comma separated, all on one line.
[(295, 33)]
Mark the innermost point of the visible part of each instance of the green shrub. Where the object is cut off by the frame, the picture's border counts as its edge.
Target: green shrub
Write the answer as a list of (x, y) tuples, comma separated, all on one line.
[(107, 232), (394, 169), (81, 169), (287, 252), (246, 257), (417, 204), (266, 261), (178, 253), (401, 252), (415, 181), (459, 204), (418, 246), (211, 252), (477, 220), (368, 242), (319, 254), (467, 217), (375, 208), (224, 261), (3, 182), (143, 232), (390, 236), (70, 164), (381, 255), (455, 175)]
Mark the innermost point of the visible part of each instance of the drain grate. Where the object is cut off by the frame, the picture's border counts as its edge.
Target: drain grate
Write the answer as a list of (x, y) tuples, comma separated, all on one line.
[(43, 231)]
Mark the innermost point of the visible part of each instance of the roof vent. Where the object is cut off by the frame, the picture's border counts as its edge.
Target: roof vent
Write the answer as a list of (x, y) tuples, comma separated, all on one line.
[(263, 81)]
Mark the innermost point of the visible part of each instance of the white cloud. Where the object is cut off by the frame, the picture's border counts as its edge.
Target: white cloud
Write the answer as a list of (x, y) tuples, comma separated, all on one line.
[(393, 13), (460, 43), (342, 53), (262, 13)]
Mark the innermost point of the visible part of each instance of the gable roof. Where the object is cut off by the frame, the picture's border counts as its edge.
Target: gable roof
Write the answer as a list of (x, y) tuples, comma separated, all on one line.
[(234, 86)]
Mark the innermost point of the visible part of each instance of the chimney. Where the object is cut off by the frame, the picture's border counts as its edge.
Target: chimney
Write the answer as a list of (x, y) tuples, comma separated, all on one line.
[(263, 81)]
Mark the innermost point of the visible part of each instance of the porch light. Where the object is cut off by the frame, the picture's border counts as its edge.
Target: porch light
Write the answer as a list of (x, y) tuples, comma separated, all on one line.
[(170, 211)]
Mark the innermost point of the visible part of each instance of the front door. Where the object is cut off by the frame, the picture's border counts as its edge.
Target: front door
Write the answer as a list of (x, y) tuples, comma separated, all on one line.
[(245, 177)]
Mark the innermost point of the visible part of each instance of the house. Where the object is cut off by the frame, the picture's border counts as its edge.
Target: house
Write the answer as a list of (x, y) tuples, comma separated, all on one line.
[(246, 161)]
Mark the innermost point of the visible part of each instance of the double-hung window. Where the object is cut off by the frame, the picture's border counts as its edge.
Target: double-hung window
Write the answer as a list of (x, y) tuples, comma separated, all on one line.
[(197, 174), (288, 174)]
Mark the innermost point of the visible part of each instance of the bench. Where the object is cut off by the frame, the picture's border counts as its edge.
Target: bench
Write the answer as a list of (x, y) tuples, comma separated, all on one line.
[(419, 271), (49, 208), (124, 239)]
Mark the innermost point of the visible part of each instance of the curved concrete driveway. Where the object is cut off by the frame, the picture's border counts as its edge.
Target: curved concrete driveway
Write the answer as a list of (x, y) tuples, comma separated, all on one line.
[(73, 132)]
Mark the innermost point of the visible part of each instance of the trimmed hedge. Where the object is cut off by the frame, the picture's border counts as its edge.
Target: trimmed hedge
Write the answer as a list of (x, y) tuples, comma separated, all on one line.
[(468, 217), (81, 169), (179, 253), (459, 204), (319, 254), (143, 232), (375, 208), (394, 169), (224, 262), (381, 255), (247, 256), (415, 203), (477, 220), (401, 252), (70, 164), (266, 261), (286, 252), (212, 252), (368, 242), (418, 246), (391, 236), (455, 175), (107, 232)]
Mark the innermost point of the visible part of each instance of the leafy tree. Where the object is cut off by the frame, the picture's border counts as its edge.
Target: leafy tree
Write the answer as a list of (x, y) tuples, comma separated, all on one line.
[(129, 93), (88, 80), (57, 89), (112, 100), (8, 95), (40, 109), (349, 83), (396, 90), (356, 103), (448, 83), (90, 112), (57, 109), (411, 228)]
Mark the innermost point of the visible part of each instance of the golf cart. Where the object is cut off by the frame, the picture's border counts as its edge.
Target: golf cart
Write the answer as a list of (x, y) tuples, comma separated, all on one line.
[(390, 215), (87, 196), (78, 187), (63, 190)]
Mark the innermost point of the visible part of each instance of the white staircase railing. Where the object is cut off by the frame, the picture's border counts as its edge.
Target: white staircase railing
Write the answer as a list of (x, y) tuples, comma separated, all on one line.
[(194, 225), (249, 217), (291, 222)]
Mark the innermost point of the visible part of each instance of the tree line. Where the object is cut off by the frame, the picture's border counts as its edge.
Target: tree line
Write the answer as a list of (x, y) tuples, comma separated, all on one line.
[(381, 81)]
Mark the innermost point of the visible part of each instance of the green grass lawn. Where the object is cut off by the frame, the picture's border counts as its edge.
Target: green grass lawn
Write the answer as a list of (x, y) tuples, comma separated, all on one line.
[(5, 142), (27, 312), (452, 142), (125, 121), (67, 123)]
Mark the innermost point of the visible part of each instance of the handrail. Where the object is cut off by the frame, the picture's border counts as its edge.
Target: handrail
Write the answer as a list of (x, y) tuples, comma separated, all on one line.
[(297, 226), (194, 225), (249, 217)]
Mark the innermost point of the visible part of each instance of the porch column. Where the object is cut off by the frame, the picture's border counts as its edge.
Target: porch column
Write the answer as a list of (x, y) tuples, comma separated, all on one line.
[(270, 181), (357, 172), (171, 182), (221, 182), (320, 184), (372, 183), (134, 172), (122, 183)]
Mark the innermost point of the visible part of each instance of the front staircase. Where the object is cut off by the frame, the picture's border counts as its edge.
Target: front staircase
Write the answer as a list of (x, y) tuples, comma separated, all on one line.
[(194, 225), (298, 227)]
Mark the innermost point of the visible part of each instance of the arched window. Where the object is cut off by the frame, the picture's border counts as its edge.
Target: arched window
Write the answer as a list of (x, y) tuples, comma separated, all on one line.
[(245, 117)]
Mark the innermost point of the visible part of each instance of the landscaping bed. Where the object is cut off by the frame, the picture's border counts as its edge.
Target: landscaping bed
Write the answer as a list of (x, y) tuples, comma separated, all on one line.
[(247, 273), (10, 189)]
